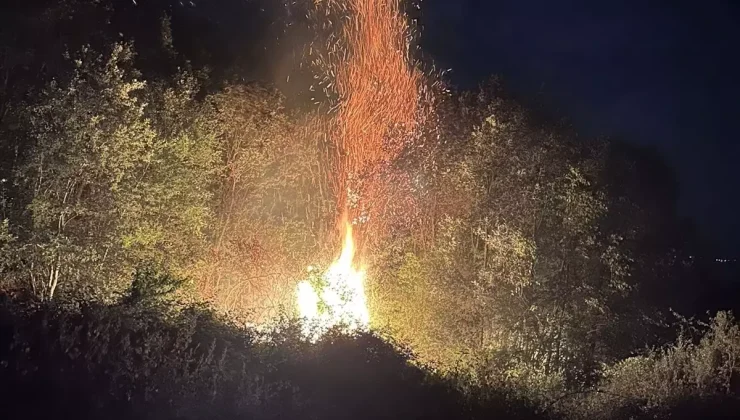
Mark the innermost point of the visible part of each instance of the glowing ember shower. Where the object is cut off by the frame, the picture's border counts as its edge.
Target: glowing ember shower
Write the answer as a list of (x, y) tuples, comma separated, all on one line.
[(378, 99), (339, 299)]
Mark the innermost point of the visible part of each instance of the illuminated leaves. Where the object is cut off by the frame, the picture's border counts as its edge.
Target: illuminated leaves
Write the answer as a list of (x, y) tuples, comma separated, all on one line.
[(274, 208), (509, 256), (518, 262), (120, 172)]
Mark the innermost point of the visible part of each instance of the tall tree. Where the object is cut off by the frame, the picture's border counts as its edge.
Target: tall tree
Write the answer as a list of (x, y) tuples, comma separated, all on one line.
[(118, 172), (517, 249), (274, 208)]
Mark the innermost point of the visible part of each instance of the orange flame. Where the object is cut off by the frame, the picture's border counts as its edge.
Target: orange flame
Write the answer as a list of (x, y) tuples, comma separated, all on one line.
[(341, 299), (380, 101)]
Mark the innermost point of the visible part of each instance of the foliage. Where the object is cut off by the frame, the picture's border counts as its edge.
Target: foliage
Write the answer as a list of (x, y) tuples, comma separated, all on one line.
[(152, 288), (121, 362), (701, 369), (517, 247), (118, 362), (273, 210), (6, 246), (118, 173)]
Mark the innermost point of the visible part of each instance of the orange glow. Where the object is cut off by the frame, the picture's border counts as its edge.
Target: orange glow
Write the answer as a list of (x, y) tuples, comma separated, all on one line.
[(379, 102), (340, 300)]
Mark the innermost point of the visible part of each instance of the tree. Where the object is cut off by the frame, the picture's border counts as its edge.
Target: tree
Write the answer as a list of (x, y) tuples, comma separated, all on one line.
[(108, 181), (516, 248), (274, 208)]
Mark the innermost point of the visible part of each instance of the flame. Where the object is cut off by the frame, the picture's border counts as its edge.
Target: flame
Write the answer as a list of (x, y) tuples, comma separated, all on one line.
[(379, 101), (340, 300)]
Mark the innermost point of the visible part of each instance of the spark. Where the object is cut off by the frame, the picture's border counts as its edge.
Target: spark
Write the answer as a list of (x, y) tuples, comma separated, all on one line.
[(379, 96), (378, 100)]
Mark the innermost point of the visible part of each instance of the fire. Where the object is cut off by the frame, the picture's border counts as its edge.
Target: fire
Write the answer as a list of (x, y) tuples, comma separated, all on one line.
[(378, 101), (340, 298)]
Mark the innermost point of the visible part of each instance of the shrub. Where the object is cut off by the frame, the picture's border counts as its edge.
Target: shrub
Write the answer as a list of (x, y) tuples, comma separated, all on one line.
[(691, 375), (121, 362)]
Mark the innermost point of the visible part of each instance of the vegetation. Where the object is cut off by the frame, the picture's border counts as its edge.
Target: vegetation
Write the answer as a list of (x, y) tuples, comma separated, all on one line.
[(151, 200)]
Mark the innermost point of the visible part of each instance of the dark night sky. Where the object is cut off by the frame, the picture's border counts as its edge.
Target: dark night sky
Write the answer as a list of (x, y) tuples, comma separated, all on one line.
[(655, 73)]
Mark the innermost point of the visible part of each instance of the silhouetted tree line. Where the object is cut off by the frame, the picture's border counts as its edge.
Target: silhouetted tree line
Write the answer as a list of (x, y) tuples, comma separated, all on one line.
[(147, 357), (131, 361), (143, 167)]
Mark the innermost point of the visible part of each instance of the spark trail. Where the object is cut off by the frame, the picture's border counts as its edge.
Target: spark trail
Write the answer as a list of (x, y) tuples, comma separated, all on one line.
[(379, 100)]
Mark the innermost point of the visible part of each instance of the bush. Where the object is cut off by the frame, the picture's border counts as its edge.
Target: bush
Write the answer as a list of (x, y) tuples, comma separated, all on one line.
[(689, 376), (120, 362)]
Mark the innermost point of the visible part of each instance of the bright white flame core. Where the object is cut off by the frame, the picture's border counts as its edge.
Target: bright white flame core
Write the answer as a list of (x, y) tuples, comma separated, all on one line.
[(341, 301)]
